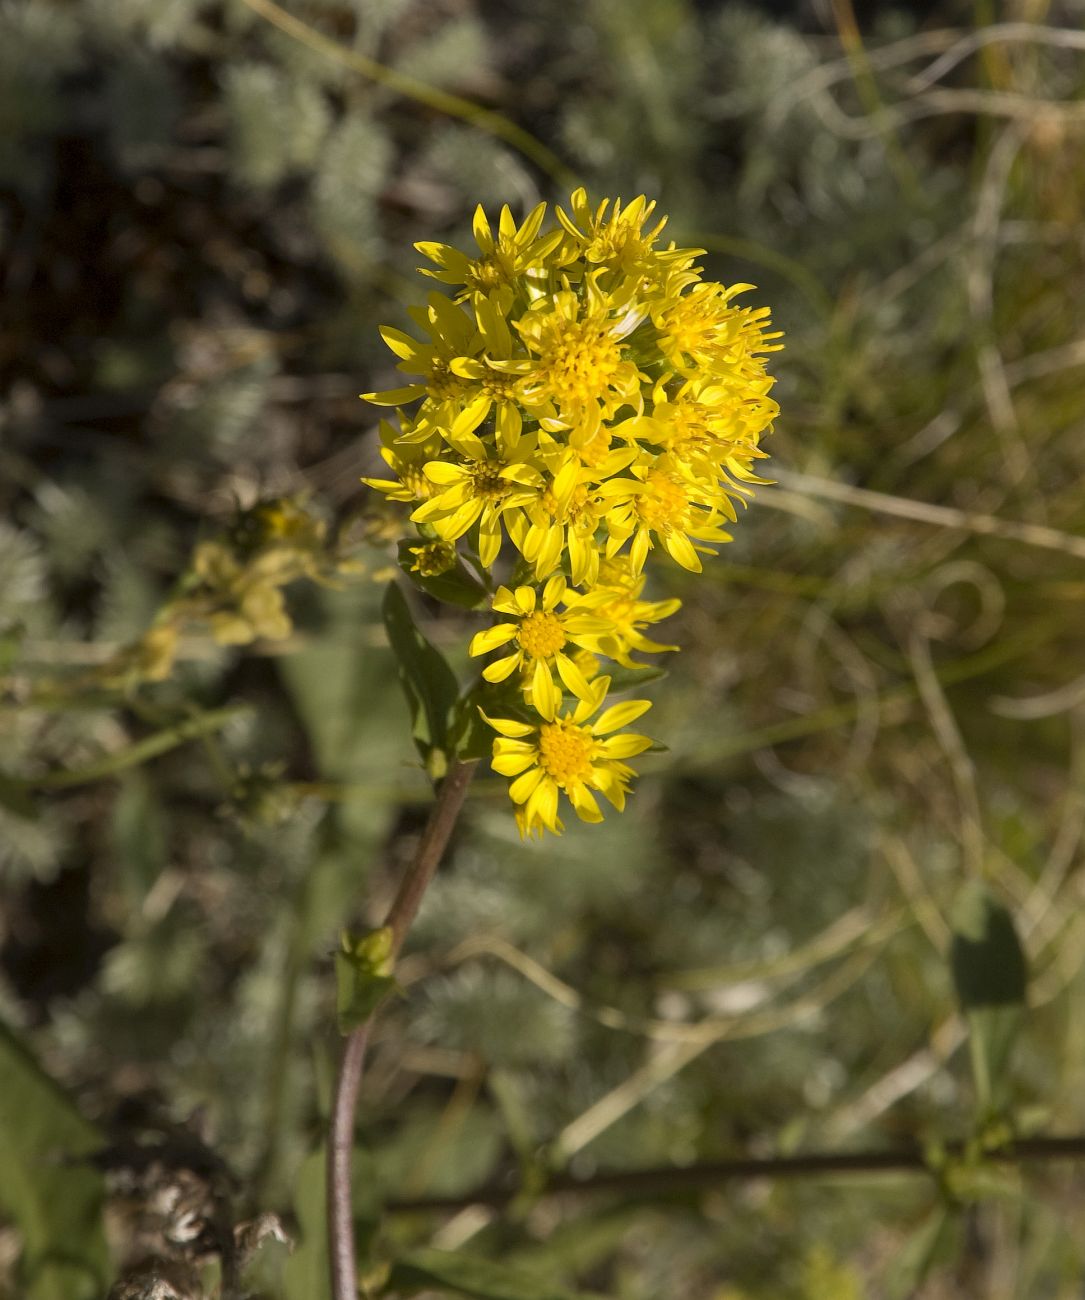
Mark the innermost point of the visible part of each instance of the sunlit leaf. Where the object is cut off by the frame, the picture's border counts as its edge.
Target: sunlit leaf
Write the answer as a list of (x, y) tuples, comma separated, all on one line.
[(428, 682)]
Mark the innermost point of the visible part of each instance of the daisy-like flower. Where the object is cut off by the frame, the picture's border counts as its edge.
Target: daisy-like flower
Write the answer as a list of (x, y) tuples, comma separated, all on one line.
[(571, 755), (478, 488), (504, 258), (700, 330), (615, 600), (711, 427), (565, 518), (406, 458), (452, 334), (661, 500), (536, 640), (493, 374), (578, 363), (617, 241)]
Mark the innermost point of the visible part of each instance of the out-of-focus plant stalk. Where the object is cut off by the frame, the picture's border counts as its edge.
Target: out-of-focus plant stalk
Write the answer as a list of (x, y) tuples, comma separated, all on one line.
[(404, 909)]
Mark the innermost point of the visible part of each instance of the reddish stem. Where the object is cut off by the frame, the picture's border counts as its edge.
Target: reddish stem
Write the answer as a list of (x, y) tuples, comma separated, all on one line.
[(442, 821)]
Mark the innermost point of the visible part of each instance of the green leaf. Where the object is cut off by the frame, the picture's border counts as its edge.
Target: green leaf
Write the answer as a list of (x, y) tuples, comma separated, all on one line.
[(992, 1036), (53, 1198), (456, 587), (468, 1275), (988, 961), (991, 977), (363, 973), (631, 679), (935, 1241), (428, 682), (306, 1272)]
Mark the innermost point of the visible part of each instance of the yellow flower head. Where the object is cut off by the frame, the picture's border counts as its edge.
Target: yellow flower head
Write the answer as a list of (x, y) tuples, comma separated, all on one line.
[(615, 602), (431, 559), (579, 362), (407, 459), (569, 754), (616, 241), (536, 642), (513, 253), (452, 334)]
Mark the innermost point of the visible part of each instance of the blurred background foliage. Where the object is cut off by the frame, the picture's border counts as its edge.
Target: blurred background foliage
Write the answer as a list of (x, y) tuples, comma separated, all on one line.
[(206, 769)]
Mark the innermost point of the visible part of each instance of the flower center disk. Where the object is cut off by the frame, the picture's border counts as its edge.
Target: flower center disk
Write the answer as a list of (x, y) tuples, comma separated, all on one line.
[(565, 752), (541, 635), (580, 361), (487, 481), (665, 503)]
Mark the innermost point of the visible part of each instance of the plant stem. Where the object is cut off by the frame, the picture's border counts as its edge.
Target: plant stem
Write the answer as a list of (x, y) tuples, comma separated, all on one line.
[(141, 752), (404, 909), (683, 1180)]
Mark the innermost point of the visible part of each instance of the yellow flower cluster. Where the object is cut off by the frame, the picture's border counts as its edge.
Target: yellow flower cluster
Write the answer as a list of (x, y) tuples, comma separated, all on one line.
[(585, 397)]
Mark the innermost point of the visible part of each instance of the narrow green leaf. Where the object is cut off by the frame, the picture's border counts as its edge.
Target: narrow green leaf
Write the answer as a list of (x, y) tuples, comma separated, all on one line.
[(53, 1196), (992, 1036), (306, 1272), (935, 1241), (467, 1275), (991, 977), (428, 682), (632, 679)]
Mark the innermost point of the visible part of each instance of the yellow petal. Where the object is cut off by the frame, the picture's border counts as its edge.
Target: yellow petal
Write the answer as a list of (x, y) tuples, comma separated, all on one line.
[(504, 602), (507, 726), (626, 746), (573, 678), (501, 668), (401, 344), (512, 764), (394, 396), (483, 642), (584, 803), (680, 548), (542, 805), (489, 539), (620, 715), (440, 471), (545, 696), (525, 786), (553, 591)]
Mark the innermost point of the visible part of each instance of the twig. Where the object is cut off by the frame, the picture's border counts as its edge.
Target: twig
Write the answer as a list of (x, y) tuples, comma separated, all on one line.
[(665, 1180), (440, 101), (1060, 38), (1048, 539), (150, 747), (435, 839)]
